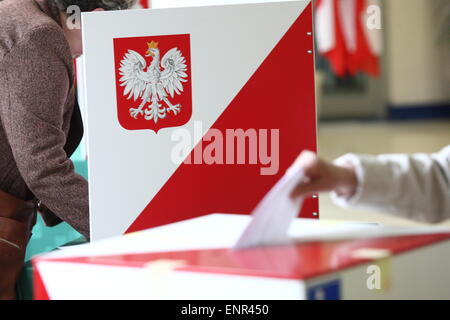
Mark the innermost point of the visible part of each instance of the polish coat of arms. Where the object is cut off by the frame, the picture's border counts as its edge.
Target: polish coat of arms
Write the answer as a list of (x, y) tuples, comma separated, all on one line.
[(153, 81)]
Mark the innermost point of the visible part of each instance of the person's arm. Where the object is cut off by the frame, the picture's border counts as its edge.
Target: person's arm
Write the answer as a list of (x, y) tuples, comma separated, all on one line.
[(36, 80), (413, 186)]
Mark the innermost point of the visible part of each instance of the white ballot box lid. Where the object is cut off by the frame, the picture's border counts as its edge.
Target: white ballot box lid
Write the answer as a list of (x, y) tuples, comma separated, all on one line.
[(193, 260)]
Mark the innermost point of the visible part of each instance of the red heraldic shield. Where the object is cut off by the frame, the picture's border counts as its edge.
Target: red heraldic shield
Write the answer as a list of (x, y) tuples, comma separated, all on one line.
[(153, 81), (287, 71)]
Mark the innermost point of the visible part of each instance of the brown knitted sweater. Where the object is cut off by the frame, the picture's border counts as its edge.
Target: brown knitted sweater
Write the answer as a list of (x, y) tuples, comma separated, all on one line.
[(39, 117)]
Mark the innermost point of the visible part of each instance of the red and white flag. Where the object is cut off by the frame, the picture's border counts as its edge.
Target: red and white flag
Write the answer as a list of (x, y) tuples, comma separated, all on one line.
[(348, 34), (142, 4)]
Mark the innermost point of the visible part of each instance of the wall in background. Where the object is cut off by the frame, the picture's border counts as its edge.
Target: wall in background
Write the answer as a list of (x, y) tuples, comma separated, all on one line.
[(417, 54)]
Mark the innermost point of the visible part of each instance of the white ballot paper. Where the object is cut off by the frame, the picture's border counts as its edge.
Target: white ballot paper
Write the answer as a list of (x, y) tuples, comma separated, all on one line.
[(273, 215)]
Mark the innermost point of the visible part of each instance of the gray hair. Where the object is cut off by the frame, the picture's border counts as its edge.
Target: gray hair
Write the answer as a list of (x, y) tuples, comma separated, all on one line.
[(89, 5)]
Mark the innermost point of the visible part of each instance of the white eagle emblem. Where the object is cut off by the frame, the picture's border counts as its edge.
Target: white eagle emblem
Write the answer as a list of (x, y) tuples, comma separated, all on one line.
[(153, 85)]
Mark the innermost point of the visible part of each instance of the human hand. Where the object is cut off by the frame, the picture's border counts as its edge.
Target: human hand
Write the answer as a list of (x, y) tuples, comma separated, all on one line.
[(323, 176)]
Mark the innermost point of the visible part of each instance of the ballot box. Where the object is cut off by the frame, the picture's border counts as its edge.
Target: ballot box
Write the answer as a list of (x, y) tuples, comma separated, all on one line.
[(195, 259), (194, 110)]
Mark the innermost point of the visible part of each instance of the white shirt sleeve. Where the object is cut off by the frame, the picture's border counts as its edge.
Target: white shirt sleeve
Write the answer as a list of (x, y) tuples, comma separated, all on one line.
[(413, 186)]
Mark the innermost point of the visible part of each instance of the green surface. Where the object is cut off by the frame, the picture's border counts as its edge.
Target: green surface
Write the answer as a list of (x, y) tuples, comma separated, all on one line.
[(45, 239), (24, 286)]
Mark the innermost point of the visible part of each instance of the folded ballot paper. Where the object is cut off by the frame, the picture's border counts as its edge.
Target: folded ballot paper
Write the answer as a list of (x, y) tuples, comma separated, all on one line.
[(273, 215)]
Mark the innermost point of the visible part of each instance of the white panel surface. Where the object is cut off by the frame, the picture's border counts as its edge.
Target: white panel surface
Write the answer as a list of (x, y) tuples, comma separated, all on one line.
[(228, 43)]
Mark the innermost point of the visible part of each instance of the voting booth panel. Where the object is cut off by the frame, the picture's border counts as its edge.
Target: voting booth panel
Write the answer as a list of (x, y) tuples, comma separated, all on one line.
[(194, 110)]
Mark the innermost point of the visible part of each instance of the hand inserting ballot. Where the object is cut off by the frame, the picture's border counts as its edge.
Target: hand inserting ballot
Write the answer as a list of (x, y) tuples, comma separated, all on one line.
[(323, 176)]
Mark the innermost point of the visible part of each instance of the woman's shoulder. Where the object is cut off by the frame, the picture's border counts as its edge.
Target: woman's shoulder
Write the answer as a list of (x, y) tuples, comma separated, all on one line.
[(24, 24)]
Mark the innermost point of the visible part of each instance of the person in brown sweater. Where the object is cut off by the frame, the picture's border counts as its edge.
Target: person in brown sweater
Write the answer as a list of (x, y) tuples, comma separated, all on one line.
[(40, 124)]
